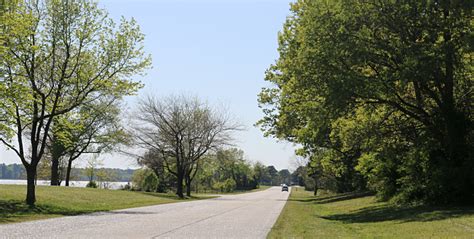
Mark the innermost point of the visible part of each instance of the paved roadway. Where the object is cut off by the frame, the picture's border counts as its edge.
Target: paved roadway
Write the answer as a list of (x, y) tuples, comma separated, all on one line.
[(248, 215)]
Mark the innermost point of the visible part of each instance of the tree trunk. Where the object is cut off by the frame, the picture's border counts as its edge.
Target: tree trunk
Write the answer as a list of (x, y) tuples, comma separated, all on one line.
[(55, 170), (188, 186), (57, 150), (30, 192), (179, 185), (315, 185), (68, 172)]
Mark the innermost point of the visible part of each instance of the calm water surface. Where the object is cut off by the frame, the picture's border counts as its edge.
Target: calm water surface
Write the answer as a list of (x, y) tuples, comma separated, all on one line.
[(80, 184)]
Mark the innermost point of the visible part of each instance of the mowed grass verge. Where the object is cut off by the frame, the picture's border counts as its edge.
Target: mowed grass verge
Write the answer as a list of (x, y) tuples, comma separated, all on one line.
[(361, 216), (64, 201)]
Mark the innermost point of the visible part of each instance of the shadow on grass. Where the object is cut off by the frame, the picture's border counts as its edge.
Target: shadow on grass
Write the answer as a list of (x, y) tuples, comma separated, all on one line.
[(401, 214), (333, 198), (12, 209), (161, 195)]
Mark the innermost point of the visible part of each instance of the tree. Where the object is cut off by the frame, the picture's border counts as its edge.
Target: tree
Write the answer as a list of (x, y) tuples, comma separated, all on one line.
[(299, 176), (59, 56), (105, 176), (285, 176), (91, 129), (272, 175), (155, 161), (259, 173), (408, 63), (182, 129), (232, 165), (8, 24), (91, 170), (43, 172)]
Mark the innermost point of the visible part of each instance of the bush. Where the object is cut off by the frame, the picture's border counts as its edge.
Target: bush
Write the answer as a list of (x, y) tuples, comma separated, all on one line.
[(150, 182), (91, 184), (144, 180), (126, 187), (227, 186)]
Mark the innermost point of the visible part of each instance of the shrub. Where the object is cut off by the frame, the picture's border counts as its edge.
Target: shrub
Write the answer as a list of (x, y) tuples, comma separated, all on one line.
[(150, 182), (227, 186), (126, 187), (144, 180), (91, 184)]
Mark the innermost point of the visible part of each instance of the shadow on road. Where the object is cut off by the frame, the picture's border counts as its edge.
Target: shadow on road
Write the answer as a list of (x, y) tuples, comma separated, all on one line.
[(126, 212)]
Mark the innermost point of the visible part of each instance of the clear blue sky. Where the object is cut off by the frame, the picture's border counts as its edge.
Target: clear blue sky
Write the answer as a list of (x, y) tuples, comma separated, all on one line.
[(216, 49)]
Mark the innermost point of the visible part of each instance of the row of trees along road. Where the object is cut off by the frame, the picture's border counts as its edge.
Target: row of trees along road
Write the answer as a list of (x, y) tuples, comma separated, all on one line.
[(178, 131), (64, 66), (221, 170), (380, 96)]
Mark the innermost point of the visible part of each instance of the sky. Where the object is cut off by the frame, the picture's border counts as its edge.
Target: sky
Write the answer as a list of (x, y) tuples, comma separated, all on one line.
[(215, 49)]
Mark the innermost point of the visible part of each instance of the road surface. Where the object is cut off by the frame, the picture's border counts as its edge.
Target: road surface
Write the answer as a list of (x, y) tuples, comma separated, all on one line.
[(249, 215)]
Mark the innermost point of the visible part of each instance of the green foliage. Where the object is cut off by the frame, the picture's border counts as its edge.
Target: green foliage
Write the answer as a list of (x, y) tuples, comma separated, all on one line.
[(155, 161), (300, 176), (226, 171), (379, 95), (91, 184), (150, 182), (259, 173), (56, 59), (93, 129), (226, 186), (144, 179)]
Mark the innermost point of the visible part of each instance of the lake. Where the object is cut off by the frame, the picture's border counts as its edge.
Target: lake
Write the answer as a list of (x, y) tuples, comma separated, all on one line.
[(80, 184)]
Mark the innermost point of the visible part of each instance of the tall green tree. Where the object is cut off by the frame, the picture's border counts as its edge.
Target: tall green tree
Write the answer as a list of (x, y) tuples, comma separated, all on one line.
[(231, 164), (285, 176), (259, 173), (91, 129), (409, 62), (61, 55)]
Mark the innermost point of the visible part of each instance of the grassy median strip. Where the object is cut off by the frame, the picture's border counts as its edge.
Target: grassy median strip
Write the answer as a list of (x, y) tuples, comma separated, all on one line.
[(63, 201), (361, 216)]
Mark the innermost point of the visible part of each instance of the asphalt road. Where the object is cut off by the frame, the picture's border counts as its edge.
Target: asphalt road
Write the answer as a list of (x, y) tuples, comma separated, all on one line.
[(249, 215)]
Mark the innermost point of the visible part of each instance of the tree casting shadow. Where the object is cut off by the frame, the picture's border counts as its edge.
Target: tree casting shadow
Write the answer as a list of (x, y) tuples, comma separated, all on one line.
[(11, 209), (402, 214), (333, 198)]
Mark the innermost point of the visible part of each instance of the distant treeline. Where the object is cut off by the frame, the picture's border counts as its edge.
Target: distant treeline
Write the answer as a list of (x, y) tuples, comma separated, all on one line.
[(17, 171)]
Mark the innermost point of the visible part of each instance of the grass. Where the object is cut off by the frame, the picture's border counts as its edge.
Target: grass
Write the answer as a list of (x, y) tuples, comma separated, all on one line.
[(361, 216), (64, 201)]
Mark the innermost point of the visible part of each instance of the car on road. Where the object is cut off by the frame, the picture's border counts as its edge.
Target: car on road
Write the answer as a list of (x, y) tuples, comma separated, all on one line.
[(284, 188)]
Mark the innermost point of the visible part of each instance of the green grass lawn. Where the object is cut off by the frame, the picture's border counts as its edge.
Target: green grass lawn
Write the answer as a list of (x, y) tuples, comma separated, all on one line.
[(62, 201), (361, 216)]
